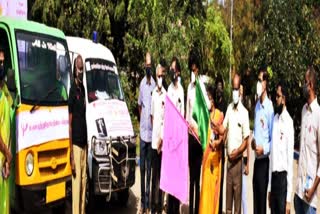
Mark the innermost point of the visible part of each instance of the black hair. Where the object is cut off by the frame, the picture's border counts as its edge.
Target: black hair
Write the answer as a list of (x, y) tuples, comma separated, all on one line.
[(284, 89), (219, 79), (1, 49), (313, 77), (74, 68), (263, 70), (211, 92), (193, 59), (163, 63), (175, 59)]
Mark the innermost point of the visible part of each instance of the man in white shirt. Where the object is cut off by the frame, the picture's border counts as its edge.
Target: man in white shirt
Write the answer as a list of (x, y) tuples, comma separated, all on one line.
[(195, 149), (281, 155), (157, 118), (144, 101), (176, 95), (306, 199), (236, 122)]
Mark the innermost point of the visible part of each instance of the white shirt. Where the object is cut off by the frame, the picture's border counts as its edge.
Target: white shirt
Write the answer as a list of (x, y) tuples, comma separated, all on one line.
[(282, 145), (191, 97), (144, 101), (176, 95), (308, 164), (157, 112), (237, 123)]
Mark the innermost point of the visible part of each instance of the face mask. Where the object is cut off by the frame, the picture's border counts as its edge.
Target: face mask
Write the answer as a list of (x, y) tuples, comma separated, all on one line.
[(279, 109), (259, 89), (173, 76), (2, 73), (193, 77), (235, 96), (305, 91), (159, 82), (148, 72), (179, 79), (219, 93)]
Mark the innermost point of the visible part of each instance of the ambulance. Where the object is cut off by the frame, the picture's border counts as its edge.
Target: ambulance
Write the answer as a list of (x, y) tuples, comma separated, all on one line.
[(111, 140)]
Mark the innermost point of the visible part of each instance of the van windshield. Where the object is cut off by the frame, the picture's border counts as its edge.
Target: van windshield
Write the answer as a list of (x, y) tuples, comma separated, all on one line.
[(102, 80), (44, 68)]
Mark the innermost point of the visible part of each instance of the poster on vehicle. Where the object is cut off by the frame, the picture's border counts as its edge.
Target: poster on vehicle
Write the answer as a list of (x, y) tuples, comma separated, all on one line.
[(14, 8), (41, 126), (109, 118)]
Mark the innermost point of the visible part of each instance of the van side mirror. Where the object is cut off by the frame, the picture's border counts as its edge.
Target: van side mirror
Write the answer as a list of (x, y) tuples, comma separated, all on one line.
[(11, 83)]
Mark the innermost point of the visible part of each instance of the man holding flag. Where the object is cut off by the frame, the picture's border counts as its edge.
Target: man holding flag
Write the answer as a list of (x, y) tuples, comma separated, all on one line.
[(197, 115), (236, 122)]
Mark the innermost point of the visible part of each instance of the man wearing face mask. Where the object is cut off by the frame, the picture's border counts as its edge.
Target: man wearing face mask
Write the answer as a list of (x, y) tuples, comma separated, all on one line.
[(195, 149), (281, 158), (236, 124), (176, 94), (144, 104), (306, 197), (263, 120), (78, 137), (157, 118)]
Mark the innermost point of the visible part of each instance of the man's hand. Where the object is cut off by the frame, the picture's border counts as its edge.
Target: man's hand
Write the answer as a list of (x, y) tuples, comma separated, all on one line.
[(6, 164), (253, 144), (288, 208), (246, 169), (269, 199), (309, 194), (259, 150), (73, 166), (234, 154), (159, 148)]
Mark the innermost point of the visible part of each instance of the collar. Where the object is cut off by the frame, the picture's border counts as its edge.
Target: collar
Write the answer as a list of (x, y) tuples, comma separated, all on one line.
[(312, 105), (283, 114), (265, 101), (159, 91), (236, 108)]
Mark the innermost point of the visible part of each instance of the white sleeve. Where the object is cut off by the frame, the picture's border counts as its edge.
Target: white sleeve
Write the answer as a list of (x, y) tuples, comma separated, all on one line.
[(290, 161)]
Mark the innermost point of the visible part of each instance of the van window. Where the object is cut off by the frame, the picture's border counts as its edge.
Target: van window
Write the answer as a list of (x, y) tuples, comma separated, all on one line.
[(44, 67), (102, 81)]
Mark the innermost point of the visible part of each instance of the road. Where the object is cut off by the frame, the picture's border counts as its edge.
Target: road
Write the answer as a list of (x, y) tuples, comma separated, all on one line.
[(134, 199)]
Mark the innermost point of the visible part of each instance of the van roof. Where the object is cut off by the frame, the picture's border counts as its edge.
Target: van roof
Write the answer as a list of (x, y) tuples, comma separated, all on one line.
[(89, 49), (30, 26)]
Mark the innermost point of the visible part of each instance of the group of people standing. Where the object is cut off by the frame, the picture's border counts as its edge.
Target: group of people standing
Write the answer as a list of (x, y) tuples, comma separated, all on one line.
[(272, 140)]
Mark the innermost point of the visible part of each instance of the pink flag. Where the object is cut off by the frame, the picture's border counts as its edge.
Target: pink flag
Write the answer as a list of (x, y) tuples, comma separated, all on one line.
[(174, 165)]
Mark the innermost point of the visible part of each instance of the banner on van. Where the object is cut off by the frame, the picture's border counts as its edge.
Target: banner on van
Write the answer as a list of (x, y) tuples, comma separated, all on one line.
[(42, 126), (14, 8)]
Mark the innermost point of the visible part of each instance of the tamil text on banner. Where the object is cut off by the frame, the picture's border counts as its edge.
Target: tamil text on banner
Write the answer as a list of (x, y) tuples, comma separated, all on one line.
[(174, 165), (41, 126)]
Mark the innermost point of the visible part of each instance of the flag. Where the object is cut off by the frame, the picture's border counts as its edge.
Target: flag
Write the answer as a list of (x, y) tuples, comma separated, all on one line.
[(174, 162), (200, 114)]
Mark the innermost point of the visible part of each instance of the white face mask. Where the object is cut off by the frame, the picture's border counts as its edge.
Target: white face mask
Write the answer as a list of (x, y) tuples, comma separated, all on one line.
[(193, 77), (235, 96), (259, 89), (159, 82), (179, 79)]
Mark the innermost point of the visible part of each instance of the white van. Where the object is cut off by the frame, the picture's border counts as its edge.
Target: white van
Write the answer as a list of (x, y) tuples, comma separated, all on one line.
[(111, 140)]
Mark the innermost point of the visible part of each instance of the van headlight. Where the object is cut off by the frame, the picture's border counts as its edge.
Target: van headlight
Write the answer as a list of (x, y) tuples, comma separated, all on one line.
[(99, 147), (29, 164)]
